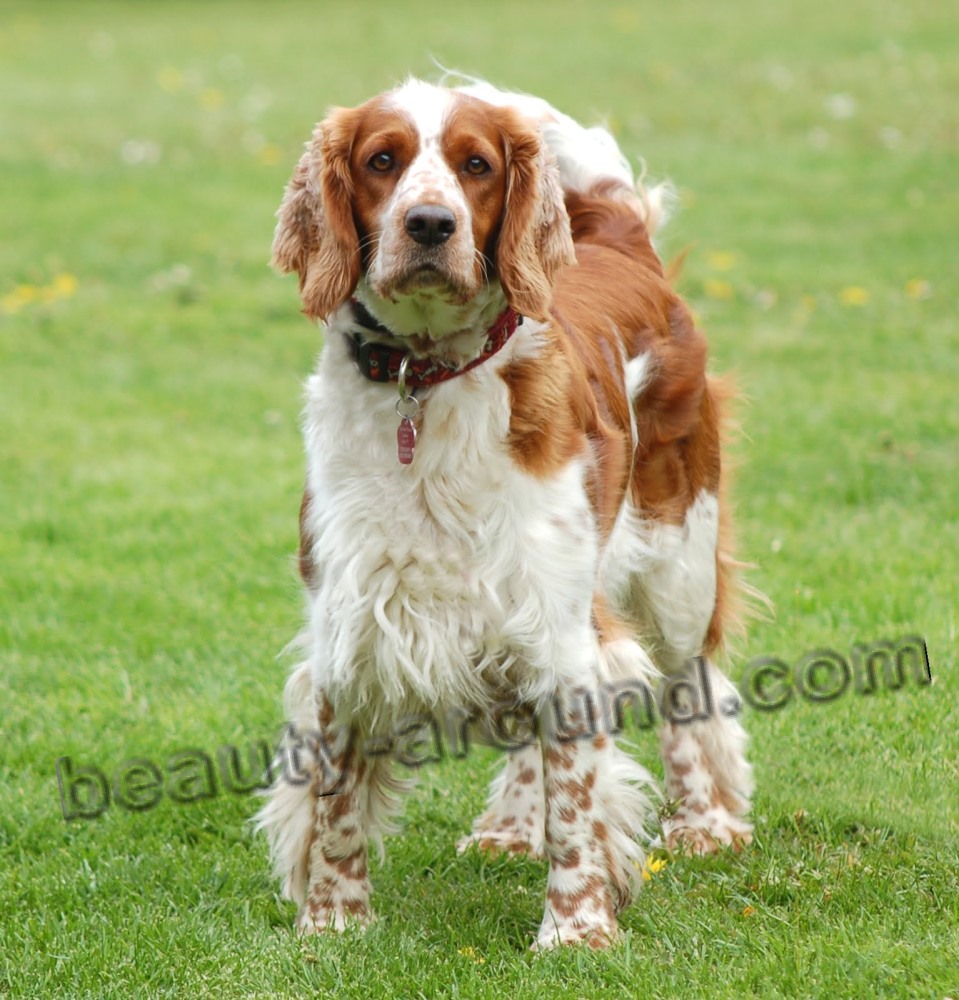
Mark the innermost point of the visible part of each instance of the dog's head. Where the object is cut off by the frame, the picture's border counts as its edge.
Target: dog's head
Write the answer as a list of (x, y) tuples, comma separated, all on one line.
[(424, 191)]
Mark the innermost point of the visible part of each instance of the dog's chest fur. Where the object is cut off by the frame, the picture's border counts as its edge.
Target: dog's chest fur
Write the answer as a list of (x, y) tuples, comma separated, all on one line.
[(445, 583)]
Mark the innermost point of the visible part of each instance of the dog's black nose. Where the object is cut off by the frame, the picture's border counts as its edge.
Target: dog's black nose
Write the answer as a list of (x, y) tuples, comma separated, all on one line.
[(430, 224)]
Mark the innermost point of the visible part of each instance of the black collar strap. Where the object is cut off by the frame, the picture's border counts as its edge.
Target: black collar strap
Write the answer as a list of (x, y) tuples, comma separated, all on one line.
[(381, 363)]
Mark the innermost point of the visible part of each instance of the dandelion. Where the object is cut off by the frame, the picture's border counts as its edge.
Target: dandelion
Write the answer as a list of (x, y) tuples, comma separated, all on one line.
[(854, 295), (64, 285), (269, 154), (890, 137), (840, 106), (258, 100), (780, 77), (651, 866), (715, 288), (470, 953), (918, 288), (11, 303), (22, 295), (170, 79), (625, 19), (135, 152), (210, 98), (722, 260), (748, 911)]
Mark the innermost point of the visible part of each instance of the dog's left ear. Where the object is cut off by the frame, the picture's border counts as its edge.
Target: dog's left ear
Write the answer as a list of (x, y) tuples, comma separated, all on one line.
[(315, 233), (535, 239)]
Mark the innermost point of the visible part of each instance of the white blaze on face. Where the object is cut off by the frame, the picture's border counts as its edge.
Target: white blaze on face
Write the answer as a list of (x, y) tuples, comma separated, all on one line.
[(428, 180)]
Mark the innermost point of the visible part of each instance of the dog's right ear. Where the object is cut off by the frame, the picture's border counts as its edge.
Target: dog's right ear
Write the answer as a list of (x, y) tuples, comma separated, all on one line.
[(315, 233)]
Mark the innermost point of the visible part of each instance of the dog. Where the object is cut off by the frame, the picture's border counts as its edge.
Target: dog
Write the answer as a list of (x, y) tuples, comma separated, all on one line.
[(514, 497)]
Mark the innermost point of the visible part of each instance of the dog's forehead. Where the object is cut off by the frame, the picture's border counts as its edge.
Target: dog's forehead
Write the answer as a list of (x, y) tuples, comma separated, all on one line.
[(428, 107), (432, 110)]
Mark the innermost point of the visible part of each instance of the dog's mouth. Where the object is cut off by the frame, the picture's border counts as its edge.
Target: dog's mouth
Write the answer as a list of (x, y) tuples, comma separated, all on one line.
[(435, 279), (426, 275), (442, 273)]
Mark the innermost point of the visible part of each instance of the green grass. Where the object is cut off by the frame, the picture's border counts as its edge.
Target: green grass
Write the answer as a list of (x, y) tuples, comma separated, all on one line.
[(150, 466)]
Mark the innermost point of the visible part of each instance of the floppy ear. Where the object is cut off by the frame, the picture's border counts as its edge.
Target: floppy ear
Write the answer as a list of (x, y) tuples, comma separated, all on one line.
[(315, 233), (535, 239)]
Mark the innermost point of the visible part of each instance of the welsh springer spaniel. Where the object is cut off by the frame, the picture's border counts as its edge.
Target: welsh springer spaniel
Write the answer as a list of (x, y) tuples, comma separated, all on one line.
[(512, 499)]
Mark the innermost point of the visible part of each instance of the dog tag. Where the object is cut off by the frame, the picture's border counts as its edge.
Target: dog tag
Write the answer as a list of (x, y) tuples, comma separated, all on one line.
[(405, 441)]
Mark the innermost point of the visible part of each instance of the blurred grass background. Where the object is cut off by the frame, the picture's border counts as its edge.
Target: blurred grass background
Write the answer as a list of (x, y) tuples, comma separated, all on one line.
[(150, 468)]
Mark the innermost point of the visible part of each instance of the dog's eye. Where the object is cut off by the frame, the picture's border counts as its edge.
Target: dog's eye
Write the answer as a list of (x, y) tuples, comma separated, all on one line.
[(476, 165), (381, 162)]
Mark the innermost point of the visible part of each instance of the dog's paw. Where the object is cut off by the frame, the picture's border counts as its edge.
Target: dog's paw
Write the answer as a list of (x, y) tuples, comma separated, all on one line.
[(317, 918), (506, 841), (693, 833), (595, 934)]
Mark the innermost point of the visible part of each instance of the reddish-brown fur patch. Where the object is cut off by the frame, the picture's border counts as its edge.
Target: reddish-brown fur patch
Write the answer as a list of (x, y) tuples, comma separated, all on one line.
[(567, 904), (571, 398)]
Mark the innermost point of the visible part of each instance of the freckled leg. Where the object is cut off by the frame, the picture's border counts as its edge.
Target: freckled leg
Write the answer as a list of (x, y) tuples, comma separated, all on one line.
[(706, 769), (594, 810), (325, 805), (338, 885), (514, 816)]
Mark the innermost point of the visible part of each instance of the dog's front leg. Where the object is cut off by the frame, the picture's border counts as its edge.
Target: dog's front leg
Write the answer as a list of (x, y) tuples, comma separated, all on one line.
[(595, 808), (338, 885)]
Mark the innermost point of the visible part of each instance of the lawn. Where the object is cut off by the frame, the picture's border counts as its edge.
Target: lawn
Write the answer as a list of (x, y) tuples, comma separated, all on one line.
[(150, 468)]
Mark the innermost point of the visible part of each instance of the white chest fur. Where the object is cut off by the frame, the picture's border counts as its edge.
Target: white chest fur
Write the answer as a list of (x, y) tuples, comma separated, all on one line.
[(445, 582)]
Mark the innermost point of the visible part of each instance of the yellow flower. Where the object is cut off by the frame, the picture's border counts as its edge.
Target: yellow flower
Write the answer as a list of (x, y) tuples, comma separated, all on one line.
[(749, 911), (210, 98), (652, 866), (470, 953), (854, 295), (170, 79), (624, 19), (269, 154), (63, 285), (918, 288), (717, 289), (21, 296), (722, 260)]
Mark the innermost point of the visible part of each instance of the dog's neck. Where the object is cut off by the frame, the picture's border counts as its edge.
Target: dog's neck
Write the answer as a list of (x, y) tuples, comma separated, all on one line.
[(382, 357), (427, 324)]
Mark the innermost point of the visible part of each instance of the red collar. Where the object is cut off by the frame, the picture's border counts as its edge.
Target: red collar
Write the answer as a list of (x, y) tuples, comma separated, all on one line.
[(381, 363)]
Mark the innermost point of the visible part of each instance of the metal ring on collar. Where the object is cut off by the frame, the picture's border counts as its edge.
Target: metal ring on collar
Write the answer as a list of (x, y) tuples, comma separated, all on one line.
[(407, 407)]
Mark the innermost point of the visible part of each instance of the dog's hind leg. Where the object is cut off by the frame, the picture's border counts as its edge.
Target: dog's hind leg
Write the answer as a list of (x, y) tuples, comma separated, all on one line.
[(701, 741), (707, 775), (515, 813)]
